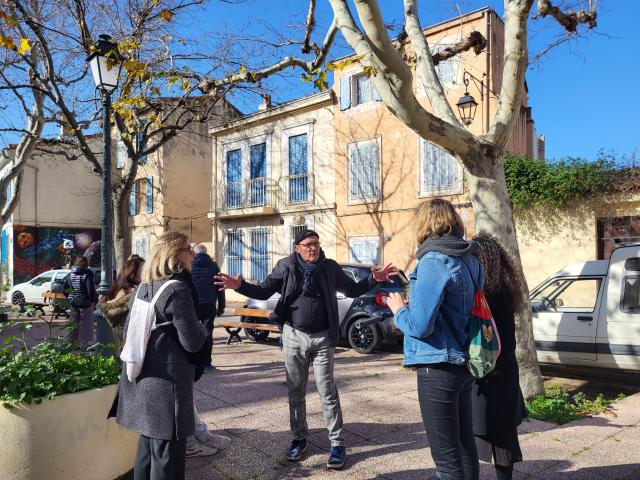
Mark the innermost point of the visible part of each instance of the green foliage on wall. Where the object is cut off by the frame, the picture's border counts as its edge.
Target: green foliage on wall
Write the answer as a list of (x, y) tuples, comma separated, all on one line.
[(535, 184)]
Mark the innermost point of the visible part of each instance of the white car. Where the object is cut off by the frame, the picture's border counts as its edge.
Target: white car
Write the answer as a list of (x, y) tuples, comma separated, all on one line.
[(31, 292)]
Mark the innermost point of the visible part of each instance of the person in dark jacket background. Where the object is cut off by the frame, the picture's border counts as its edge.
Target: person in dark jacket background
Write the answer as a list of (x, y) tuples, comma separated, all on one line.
[(497, 402), (82, 298), (211, 299), (203, 270), (308, 312)]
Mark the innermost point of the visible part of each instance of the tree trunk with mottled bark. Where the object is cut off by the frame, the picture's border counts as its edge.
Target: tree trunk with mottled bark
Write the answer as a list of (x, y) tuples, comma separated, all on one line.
[(492, 208)]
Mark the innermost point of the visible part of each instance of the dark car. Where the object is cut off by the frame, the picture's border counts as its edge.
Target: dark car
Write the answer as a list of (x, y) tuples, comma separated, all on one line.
[(358, 325)]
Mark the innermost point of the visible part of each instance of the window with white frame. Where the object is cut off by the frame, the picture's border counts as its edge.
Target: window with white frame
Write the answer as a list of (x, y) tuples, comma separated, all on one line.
[(364, 250), (364, 171), (235, 252), (141, 246), (121, 155), (245, 172), (447, 70), (259, 253), (356, 90), (440, 172)]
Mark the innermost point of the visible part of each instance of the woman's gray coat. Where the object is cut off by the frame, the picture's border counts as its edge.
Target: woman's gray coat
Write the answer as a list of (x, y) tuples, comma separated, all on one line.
[(160, 403)]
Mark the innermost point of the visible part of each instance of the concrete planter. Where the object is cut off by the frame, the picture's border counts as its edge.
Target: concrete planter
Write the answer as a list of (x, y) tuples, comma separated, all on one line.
[(66, 438)]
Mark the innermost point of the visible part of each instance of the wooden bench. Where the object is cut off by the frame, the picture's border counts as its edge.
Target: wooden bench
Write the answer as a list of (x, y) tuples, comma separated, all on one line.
[(233, 327)]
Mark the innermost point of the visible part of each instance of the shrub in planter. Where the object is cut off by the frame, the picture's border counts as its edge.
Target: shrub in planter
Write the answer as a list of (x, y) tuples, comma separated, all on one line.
[(55, 423), (48, 370)]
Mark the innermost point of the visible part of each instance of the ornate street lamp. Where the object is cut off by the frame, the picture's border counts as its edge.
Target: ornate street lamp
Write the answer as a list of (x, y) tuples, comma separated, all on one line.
[(467, 105), (105, 63)]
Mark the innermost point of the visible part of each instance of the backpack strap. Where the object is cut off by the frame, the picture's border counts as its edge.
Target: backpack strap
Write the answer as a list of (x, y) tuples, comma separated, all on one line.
[(160, 290), (155, 298)]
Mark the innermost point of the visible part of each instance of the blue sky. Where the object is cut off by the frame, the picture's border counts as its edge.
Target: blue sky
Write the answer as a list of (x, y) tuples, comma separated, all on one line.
[(580, 91)]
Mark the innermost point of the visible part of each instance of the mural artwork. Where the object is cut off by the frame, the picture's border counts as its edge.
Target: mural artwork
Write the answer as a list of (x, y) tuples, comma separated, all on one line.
[(38, 249)]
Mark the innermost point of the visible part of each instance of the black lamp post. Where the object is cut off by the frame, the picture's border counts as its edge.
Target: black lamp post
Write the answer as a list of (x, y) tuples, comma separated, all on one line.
[(467, 105), (105, 63)]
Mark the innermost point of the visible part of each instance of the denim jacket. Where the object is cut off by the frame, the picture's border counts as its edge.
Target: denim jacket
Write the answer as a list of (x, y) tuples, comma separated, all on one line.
[(440, 300)]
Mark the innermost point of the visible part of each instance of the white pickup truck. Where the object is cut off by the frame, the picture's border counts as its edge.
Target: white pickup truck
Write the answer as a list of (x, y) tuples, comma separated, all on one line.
[(588, 313)]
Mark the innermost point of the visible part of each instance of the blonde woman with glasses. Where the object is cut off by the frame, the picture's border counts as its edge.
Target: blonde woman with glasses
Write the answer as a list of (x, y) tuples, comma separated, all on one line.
[(158, 404)]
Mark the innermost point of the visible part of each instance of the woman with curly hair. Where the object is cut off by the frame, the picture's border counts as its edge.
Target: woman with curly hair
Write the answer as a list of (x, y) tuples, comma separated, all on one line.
[(116, 306), (498, 406)]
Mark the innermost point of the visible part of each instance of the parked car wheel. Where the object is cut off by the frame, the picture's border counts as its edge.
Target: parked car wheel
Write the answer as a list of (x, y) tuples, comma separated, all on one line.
[(364, 339), (255, 335), (17, 298)]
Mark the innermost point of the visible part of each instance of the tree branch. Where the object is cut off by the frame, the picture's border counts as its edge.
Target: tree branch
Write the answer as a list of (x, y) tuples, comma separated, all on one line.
[(513, 72), (424, 64), (569, 20), (394, 82), (311, 24)]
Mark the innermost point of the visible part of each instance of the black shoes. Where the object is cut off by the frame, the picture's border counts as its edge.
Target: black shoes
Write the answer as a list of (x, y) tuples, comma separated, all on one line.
[(337, 457), (296, 450)]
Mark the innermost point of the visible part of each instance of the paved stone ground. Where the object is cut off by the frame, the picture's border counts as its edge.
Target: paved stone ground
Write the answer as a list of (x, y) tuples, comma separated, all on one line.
[(246, 399)]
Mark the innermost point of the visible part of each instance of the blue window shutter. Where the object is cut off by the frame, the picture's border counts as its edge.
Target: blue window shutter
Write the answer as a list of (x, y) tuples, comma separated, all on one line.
[(149, 194), (345, 93), (142, 160), (132, 200)]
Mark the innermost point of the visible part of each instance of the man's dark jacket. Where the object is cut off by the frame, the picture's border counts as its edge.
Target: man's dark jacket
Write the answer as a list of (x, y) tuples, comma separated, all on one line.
[(202, 272), (286, 280)]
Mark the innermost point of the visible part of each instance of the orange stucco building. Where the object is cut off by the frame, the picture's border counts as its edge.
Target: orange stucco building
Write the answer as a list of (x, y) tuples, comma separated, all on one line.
[(384, 169)]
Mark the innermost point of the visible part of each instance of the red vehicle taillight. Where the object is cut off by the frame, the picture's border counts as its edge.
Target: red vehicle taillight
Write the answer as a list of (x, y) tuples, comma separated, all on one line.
[(381, 299)]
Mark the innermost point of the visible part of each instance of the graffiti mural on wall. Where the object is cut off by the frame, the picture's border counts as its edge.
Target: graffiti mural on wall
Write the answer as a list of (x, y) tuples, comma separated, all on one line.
[(38, 249)]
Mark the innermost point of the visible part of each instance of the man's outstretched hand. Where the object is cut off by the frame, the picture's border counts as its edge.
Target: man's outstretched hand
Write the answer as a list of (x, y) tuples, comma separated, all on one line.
[(227, 282), (383, 274)]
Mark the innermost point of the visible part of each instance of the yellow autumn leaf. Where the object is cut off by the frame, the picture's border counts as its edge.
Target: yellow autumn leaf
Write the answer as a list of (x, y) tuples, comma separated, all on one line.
[(166, 14), (24, 47)]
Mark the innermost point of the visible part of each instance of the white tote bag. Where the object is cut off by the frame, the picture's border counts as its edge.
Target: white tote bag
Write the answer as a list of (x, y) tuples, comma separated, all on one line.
[(142, 321)]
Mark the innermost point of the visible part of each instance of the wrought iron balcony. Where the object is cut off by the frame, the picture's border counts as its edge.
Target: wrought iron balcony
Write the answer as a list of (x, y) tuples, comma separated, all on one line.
[(258, 196), (298, 189)]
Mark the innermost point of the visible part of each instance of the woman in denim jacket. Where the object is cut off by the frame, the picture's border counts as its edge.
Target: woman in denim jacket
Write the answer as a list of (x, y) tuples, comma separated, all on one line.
[(434, 326)]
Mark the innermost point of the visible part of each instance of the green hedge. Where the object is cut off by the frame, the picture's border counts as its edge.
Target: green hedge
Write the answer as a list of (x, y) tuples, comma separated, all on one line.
[(536, 183)]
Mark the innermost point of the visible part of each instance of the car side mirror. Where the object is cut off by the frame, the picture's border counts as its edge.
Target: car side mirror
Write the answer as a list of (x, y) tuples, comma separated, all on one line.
[(340, 296), (559, 302)]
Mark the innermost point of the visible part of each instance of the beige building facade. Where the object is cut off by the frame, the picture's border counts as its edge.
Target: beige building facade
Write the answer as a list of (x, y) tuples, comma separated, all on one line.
[(57, 216), (173, 186), (273, 175), (588, 231), (384, 170)]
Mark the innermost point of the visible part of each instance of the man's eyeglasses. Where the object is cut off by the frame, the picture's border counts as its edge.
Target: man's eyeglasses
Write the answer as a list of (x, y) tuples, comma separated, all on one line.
[(186, 249), (310, 245)]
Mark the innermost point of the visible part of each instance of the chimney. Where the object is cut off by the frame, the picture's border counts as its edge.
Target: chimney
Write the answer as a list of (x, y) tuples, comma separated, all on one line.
[(266, 102)]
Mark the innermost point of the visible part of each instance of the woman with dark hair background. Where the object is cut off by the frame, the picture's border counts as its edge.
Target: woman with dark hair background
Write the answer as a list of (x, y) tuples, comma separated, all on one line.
[(498, 406), (116, 307)]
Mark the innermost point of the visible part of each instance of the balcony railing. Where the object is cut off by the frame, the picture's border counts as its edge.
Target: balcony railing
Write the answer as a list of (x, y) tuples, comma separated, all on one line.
[(246, 194), (298, 189)]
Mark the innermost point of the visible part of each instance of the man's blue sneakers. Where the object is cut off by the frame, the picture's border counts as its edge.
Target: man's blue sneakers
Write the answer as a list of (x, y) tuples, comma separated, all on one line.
[(296, 450), (337, 457)]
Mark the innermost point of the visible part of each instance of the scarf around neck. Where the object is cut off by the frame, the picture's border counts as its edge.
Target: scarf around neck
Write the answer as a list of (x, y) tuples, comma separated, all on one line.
[(308, 270), (452, 245)]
